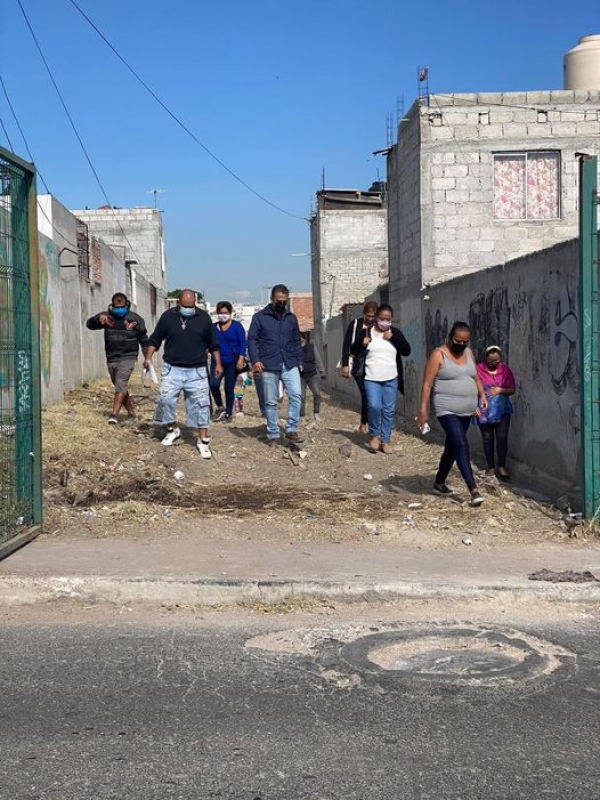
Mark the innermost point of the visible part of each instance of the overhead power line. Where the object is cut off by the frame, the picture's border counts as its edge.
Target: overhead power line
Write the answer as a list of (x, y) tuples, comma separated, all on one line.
[(178, 121), (81, 144)]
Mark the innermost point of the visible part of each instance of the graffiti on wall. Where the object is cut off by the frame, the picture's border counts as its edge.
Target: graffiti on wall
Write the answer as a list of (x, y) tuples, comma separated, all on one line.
[(48, 268), (560, 318), (489, 318), (436, 329)]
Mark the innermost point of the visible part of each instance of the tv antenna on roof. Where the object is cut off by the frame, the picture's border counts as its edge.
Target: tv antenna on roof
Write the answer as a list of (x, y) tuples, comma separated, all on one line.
[(155, 192)]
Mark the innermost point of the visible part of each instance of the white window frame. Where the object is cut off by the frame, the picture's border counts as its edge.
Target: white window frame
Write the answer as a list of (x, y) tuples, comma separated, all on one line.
[(527, 153)]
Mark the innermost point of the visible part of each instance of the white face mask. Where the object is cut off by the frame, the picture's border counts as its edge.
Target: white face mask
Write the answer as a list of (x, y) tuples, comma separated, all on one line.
[(223, 317)]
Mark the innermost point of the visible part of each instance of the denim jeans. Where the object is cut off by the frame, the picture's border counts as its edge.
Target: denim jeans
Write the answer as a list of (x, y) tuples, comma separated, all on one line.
[(381, 407), (456, 449), (229, 374), (193, 382), (291, 381)]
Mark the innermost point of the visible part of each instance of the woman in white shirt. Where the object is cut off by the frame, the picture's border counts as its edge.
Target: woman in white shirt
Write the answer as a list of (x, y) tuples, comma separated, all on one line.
[(381, 350)]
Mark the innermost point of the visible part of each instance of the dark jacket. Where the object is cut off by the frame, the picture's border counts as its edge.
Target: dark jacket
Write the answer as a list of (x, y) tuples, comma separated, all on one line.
[(358, 350), (274, 339), (121, 344), (186, 338), (312, 363), (354, 332)]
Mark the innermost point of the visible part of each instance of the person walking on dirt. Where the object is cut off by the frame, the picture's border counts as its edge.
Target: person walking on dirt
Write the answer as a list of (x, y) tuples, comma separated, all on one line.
[(124, 334), (379, 357), (232, 341), (188, 335), (355, 333), (276, 354), (312, 373), (451, 379)]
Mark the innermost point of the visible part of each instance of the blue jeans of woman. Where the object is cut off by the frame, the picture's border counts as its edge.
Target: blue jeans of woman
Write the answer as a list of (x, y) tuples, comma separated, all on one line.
[(229, 375), (456, 449), (381, 407)]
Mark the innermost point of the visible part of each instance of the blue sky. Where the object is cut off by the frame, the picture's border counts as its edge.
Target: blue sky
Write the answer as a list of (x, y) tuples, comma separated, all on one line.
[(279, 90)]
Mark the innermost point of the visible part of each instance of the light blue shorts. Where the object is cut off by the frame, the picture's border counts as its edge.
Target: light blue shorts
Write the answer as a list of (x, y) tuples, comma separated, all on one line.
[(193, 382)]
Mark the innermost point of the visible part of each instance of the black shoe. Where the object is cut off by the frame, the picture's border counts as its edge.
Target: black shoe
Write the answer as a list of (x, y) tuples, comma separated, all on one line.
[(441, 488), (476, 499)]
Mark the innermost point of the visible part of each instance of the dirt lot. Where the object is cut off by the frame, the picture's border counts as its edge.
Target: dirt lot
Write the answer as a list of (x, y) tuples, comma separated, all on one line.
[(104, 481)]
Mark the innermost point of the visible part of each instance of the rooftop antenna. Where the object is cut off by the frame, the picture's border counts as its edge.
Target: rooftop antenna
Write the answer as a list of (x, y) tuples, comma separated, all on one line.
[(155, 192), (389, 130), (423, 83), (323, 179)]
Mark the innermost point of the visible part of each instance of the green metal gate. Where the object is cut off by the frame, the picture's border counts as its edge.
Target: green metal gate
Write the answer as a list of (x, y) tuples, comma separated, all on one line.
[(20, 389)]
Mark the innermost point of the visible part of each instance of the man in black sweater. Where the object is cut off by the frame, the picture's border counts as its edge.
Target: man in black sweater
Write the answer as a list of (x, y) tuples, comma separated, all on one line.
[(124, 334), (188, 335)]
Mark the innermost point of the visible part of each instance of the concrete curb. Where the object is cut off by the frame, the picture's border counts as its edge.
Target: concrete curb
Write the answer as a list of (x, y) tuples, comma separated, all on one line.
[(218, 592)]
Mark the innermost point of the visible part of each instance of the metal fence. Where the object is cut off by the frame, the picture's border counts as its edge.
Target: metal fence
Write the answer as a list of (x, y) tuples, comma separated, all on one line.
[(20, 391)]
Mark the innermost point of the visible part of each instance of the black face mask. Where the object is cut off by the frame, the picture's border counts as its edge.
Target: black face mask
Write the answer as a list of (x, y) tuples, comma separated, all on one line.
[(280, 306), (458, 347)]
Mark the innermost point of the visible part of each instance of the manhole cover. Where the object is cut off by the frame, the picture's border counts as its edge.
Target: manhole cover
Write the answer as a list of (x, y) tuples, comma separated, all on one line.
[(453, 653)]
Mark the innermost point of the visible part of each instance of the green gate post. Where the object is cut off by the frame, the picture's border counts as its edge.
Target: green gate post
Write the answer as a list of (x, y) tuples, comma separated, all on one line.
[(589, 333), (36, 389)]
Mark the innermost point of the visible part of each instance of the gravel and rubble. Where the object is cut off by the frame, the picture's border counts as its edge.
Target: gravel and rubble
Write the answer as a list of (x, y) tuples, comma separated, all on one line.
[(120, 481)]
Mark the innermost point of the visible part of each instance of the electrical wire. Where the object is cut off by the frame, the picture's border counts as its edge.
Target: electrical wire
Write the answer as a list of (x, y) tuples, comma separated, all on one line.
[(178, 121), (80, 140), (6, 134)]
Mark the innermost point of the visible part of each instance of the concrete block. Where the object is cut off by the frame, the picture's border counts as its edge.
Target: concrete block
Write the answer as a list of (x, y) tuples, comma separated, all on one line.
[(457, 196), (481, 196), (514, 130), (491, 131), (565, 128), (456, 171), (538, 98), (443, 183), (588, 128), (491, 98), (498, 116), (467, 234), (442, 134), (514, 98)]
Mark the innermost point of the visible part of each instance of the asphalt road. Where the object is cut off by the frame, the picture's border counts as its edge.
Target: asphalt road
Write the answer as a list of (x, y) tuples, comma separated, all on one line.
[(109, 703)]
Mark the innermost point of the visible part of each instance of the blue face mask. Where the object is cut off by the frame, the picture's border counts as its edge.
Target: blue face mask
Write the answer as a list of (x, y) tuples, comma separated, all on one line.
[(187, 312), (120, 311)]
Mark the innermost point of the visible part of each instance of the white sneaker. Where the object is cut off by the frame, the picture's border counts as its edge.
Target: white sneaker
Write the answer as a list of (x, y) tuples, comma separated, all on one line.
[(171, 437), (317, 418), (204, 448)]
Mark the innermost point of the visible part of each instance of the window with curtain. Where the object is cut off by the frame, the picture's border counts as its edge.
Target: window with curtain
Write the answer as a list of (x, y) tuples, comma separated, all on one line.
[(527, 185)]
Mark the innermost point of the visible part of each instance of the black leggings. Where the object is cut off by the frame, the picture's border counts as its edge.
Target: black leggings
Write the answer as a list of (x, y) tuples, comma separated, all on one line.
[(499, 432), (360, 382)]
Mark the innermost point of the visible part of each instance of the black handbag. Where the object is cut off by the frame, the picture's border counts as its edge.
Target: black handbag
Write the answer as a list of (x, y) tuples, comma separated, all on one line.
[(359, 364), (246, 367)]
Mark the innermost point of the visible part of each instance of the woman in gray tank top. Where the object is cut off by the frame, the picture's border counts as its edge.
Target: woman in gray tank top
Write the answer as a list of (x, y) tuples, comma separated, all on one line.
[(451, 378)]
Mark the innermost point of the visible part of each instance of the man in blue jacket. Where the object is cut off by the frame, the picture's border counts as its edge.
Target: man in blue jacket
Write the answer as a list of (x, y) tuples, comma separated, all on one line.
[(276, 355)]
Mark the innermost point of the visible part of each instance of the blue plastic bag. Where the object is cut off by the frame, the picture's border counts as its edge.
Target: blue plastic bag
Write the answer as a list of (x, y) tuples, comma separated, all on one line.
[(498, 406)]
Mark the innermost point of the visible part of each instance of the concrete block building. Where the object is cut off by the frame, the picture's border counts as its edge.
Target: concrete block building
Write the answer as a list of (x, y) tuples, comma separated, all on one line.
[(349, 250), (138, 234), (477, 180)]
